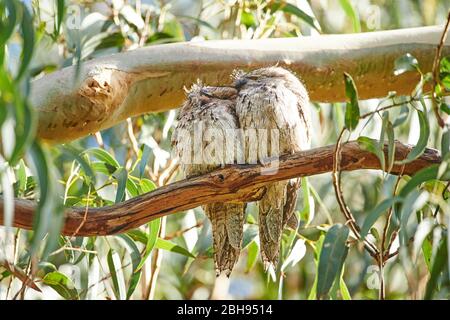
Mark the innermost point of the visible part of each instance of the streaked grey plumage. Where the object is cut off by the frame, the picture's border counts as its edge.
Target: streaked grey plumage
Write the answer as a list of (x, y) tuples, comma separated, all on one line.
[(274, 98), (212, 109)]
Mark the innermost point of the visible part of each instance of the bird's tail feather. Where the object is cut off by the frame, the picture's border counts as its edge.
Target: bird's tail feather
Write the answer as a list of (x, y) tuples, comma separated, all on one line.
[(227, 221), (271, 222), (289, 217)]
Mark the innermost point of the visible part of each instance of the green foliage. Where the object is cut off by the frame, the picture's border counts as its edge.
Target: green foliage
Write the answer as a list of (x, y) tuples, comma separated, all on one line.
[(439, 266), (406, 63), (151, 240), (293, 10), (374, 147), (123, 162), (352, 108), (332, 257), (352, 14), (421, 144), (61, 284)]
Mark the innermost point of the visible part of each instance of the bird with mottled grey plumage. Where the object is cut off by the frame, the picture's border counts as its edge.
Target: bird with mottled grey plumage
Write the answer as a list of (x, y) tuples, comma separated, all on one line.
[(206, 119), (275, 100)]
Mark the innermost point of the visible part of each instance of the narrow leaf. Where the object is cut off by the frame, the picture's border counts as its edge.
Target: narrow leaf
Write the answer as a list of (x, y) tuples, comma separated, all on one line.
[(439, 264), (252, 255), (151, 240), (27, 28), (352, 109), (144, 159), (297, 253), (352, 14), (172, 247), (373, 215), (114, 266), (294, 10), (104, 156), (374, 147), (405, 63), (421, 144), (76, 155), (122, 178), (61, 284), (332, 257)]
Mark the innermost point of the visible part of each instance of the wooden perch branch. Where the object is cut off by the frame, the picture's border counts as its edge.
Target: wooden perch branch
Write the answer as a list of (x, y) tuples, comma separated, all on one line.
[(151, 79), (234, 183)]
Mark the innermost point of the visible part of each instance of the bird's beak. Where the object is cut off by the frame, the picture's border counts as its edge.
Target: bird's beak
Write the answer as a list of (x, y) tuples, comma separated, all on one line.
[(239, 83), (205, 92)]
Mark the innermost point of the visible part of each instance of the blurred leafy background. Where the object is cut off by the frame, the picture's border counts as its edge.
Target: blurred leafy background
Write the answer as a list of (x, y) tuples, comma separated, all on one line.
[(171, 258)]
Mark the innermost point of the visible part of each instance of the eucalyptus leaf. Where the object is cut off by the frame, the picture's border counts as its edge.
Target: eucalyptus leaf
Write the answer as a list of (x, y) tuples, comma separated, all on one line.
[(332, 257), (379, 210), (352, 112), (27, 28), (405, 63), (297, 253), (253, 250), (421, 144), (8, 27), (61, 284), (104, 156), (144, 159), (352, 13), (250, 233), (132, 249), (131, 187), (374, 147), (115, 269), (172, 247), (122, 178), (76, 155), (445, 142), (438, 266), (294, 10), (147, 185), (152, 238), (60, 11)]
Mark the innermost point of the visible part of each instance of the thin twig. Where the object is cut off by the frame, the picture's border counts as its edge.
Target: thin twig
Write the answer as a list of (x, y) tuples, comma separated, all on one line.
[(25, 282), (351, 222), (179, 233), (131, 136), (438, 207), (393, 105), (393, 254), (436, 67), (85, 214), (98, 137), (144, 36), (388, 221), (79, 249), (167, 174), (382, 289)]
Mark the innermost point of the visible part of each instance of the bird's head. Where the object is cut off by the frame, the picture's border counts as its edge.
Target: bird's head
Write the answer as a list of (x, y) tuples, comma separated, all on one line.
[(262, 76), (199, 95), (193, 94), (222, 93)]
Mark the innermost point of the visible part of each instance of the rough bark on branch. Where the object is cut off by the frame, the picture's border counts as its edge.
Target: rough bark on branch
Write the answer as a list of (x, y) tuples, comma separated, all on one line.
[(151, 79), (233, 183)]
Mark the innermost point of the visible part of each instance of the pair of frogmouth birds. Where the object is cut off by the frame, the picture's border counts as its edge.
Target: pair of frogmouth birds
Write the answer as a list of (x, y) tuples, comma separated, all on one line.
[(267, 100)]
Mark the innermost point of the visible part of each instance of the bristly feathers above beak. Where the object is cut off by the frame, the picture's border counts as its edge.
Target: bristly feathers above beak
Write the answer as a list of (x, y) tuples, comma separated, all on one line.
[(240, 82)]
